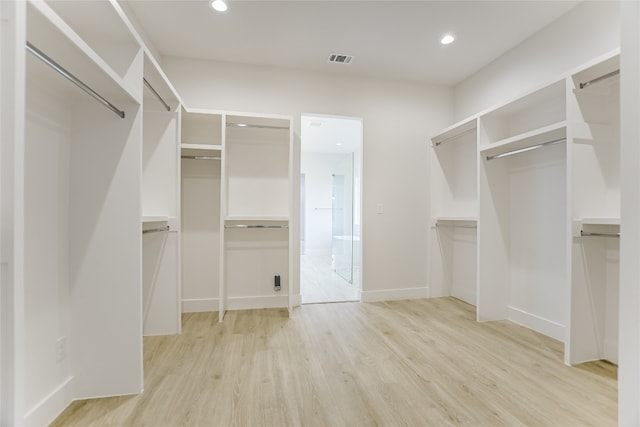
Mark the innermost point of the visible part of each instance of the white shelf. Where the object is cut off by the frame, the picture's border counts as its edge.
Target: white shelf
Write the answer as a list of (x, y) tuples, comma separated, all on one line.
[(527, 139), (256, 218), (600, 221), (146, 219), (200, 149), (455, 131)]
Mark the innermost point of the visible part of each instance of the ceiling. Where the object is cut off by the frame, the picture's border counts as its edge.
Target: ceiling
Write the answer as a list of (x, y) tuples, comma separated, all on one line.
[(388, 39)]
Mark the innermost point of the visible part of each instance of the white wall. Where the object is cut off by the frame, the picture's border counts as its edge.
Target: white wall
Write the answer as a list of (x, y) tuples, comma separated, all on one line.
[(589, 30), (397, 119)]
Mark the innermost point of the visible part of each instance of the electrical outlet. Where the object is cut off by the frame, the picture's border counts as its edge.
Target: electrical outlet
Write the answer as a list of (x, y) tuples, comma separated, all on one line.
[(61, 349)]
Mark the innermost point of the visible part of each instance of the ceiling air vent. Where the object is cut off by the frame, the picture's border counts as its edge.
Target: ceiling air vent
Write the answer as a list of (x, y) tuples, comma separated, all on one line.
[(340, 58)]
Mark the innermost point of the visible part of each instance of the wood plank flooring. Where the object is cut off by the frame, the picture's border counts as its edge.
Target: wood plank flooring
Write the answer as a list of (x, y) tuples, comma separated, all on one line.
[(405, 363)]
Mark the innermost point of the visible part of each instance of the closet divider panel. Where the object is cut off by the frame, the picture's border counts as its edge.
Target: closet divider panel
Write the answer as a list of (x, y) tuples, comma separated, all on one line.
[(454, 207), (594, 115), (82, 252), (201, 172), (160, 204), (106, 254)]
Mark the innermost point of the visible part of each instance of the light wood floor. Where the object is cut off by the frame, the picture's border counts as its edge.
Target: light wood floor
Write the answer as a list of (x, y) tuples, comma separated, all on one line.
[(411, 363)]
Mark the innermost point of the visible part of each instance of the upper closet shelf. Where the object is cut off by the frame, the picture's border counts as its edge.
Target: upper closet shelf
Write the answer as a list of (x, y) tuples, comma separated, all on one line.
[(51, 35), (455, 131), (529, 140), (200, 150), (146, 219), (600, 221), (604, 227)]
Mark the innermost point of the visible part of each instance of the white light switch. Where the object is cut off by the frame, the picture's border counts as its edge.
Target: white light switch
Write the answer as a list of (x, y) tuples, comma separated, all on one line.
[(379, 208)]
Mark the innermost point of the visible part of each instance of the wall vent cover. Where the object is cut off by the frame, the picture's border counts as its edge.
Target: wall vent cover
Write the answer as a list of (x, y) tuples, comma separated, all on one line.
[(340, 58)]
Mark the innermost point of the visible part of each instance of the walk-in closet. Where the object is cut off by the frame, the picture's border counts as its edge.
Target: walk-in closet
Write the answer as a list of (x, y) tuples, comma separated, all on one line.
[(153, 196)]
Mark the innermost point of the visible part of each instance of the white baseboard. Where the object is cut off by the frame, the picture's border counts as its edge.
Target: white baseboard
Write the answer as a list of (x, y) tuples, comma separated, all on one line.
[(199, 305), (394, 294), (250, 303), (539, 324), (52, 405)]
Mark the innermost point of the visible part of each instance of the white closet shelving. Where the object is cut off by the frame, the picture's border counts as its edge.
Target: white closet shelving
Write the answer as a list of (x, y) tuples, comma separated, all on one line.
[(594, 116), (453, 251), (77, 233), (523, 211), (257, 200), (201, 150), (160, 204), (548, 210)]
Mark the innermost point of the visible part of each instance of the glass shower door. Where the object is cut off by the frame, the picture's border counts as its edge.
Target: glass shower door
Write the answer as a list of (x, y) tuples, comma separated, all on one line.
[(342, 218)]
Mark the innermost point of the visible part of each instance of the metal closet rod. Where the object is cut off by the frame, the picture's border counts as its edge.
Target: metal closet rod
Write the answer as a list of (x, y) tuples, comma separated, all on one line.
[(522, 150), (201, 157), (156, 230), (156, 94), (587, 234), (247, 125), (73, 79), (458, 135), (597, 79), (256, 226)]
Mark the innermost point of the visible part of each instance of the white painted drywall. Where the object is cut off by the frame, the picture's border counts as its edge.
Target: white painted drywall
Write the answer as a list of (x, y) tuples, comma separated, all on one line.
[(589, 30), (397, 120)]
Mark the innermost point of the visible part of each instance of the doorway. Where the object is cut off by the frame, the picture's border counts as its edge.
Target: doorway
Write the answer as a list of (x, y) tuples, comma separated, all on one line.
[(330, 214)]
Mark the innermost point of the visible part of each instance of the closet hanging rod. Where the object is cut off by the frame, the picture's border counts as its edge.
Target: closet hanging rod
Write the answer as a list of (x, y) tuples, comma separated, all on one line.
[(437, 144), (247, 125), (156, 94), (597, 79), (522, 150), (73, 79), (587, 234), (255, 226), (201, 157), (156, 230)]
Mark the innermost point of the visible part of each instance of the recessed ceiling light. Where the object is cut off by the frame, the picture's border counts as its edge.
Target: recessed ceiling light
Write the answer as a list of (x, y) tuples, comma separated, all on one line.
[(447, 39), (219, 5), (339, 144)]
